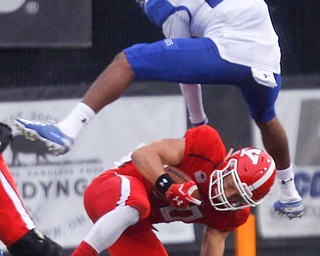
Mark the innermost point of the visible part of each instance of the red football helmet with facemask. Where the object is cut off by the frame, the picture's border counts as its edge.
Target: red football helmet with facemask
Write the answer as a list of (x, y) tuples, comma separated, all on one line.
[(253, 173)]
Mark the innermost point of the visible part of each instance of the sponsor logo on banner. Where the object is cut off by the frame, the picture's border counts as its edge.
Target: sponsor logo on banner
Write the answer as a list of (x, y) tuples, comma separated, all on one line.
[(53, 186), (298, 111)]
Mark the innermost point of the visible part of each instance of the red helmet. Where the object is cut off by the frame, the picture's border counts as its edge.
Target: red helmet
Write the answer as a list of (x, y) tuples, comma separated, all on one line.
[(253, 173)]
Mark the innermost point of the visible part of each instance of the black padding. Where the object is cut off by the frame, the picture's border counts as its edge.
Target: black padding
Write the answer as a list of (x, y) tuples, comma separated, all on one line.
[(35, 243), (5, 136)]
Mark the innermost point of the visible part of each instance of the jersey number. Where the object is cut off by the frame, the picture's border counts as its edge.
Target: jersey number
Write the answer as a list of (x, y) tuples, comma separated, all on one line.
[(171, 213)]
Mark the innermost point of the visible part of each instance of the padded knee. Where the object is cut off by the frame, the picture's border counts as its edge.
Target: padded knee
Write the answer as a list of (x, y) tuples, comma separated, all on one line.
[(35, 243)]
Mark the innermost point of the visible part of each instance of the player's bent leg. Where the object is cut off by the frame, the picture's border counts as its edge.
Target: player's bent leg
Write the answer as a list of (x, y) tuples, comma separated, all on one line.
[(261, 100), (110, 227), (110, 84), (108, 87), (116, 201), (109, 190), (139, 240), (107, 230), (35, 243), (275, 142)]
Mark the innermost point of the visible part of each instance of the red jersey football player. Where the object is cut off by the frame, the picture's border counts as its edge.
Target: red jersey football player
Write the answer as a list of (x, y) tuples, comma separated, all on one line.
[(123, 204), (17, 229)]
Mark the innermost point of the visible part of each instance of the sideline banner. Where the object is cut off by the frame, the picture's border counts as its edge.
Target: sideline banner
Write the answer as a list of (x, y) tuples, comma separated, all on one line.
[(299, 112), (52, 187), (43, 23)]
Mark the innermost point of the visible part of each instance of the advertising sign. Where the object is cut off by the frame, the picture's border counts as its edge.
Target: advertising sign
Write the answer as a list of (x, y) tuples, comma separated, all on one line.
[(53, 186), (299, 112)]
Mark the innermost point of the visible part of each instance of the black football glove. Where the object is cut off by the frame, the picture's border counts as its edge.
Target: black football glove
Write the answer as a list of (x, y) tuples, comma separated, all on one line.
[(5, 136)]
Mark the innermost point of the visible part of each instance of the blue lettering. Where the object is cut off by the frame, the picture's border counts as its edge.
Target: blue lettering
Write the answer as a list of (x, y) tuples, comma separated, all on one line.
[(302, 181), (307, 184)]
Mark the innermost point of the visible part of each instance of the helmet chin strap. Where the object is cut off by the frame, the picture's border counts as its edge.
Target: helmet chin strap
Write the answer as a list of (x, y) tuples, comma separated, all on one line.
[(229, 153)]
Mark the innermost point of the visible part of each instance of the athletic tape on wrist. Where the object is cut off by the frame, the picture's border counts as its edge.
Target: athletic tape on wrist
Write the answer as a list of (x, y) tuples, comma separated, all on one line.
[(163, 183)]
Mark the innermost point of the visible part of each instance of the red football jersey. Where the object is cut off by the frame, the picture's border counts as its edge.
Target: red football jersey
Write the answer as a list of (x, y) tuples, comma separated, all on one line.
[(203, 153)]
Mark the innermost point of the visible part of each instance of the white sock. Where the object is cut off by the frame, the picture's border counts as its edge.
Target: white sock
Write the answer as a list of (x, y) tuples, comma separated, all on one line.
[(193, 97), (80, 116), (110, 226), (288, 192)]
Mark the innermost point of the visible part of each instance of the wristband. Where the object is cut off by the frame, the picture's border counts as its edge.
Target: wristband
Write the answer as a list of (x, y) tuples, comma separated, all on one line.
[(163, 183)]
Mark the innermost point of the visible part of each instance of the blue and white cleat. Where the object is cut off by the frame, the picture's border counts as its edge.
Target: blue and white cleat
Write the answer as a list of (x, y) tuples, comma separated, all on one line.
[(56, 142), (291, 210)]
